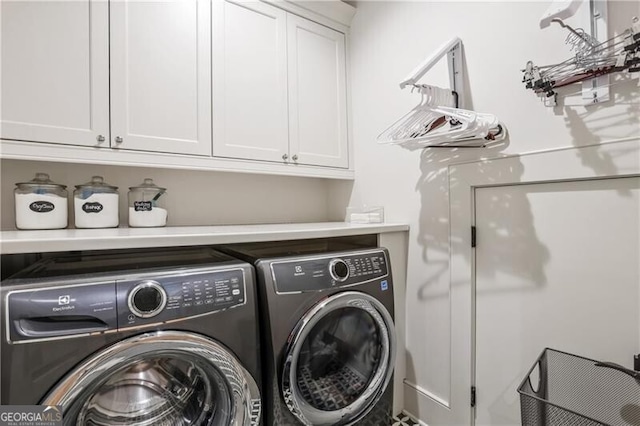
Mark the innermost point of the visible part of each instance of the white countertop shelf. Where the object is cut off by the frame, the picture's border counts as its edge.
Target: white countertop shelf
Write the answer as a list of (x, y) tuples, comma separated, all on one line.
[(12, 242)]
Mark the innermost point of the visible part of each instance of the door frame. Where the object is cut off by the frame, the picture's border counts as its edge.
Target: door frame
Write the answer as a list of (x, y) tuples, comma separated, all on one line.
[(613, 159)]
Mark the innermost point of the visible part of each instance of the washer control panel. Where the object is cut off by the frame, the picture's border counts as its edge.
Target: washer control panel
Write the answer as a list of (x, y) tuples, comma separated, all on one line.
[(154, 300), (83, 308), (329, 271)]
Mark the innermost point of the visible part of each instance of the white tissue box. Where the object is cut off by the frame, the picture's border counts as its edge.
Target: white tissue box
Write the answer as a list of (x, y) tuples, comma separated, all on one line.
[(365, 214)]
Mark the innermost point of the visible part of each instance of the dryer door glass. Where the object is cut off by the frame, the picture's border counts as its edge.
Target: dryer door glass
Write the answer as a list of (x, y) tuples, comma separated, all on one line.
[(162, 378), (340, 360)]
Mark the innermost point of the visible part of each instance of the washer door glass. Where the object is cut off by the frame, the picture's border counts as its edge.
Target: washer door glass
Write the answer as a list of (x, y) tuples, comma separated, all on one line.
[(162, 378), (339, 360), (158, 389)]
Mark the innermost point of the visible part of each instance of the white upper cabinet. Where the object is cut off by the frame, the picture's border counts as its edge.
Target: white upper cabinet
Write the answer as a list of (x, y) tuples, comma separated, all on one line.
[(55, 72), (161, 76), (279, 87), (250, 116), (317, 94), (242, 85)]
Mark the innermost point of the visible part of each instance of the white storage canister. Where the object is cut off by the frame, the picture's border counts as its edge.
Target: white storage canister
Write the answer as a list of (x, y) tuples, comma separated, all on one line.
[(41, 204), (96, 204), (146, 205)]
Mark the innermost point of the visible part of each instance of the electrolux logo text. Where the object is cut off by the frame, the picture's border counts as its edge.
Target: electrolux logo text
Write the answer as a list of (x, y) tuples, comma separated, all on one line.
[(64, 304), (30, 415)]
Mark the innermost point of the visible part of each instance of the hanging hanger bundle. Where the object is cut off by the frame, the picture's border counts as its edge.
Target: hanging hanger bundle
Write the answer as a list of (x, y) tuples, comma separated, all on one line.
[(592, 59), (437, 121)]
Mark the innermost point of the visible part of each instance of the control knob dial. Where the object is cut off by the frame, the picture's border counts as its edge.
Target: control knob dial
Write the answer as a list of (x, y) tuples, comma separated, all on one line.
[(339, 270), (147, 299)]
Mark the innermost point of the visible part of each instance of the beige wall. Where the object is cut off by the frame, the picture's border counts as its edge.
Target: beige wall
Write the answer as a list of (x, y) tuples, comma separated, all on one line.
[(193, 198)]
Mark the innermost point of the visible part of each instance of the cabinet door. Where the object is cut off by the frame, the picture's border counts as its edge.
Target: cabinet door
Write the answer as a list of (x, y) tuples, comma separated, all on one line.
[(249, 81), (55, 71), (160, 76), (317, 94)]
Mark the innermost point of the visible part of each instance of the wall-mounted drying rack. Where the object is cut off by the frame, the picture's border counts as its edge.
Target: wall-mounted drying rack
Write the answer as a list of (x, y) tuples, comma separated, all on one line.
[(595, 56), (437, 121)]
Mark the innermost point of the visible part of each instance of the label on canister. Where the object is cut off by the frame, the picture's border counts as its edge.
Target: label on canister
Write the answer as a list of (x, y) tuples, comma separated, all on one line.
[(41, 206), (92, 207), (142, 206)]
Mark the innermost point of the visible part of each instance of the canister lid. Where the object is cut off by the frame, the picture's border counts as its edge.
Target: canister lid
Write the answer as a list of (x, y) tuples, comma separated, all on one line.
[(146, 185), (41, 181), (98, 183)]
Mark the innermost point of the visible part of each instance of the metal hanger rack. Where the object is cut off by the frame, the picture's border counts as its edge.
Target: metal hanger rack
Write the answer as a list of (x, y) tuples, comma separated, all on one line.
[(595, 57), (438, 121)]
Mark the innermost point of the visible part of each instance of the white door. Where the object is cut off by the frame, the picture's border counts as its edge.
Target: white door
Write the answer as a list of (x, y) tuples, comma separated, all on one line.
[(317, 94), (249, 81), (55, 71), (161, 76), (556, 266)]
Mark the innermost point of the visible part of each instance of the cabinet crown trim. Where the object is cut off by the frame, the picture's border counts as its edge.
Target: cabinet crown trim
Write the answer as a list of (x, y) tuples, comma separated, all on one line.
[(332, 13)]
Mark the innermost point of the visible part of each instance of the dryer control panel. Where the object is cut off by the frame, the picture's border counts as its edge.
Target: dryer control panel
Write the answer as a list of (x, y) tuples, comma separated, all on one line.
[(329, 271)]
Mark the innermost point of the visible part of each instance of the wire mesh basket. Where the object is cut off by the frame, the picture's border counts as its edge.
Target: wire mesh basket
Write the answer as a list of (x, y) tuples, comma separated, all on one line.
[(569, 390)]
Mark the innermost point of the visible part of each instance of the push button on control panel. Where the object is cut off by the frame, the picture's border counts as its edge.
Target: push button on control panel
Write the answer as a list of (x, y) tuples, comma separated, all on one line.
[(214, 289), (367, 267)]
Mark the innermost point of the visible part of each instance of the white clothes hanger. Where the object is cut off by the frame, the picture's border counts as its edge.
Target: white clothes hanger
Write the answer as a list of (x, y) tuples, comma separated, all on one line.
[(422, 118), (440, 124), (465, 125), (437, 121)]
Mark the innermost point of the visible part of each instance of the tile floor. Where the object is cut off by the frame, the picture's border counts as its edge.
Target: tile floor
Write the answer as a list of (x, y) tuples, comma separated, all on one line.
[(403, 420)]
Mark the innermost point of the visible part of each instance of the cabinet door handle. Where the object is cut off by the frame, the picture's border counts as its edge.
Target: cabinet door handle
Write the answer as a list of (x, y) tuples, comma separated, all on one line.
[(100, 138), (118, 139), (295, 157), (284, 157)]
